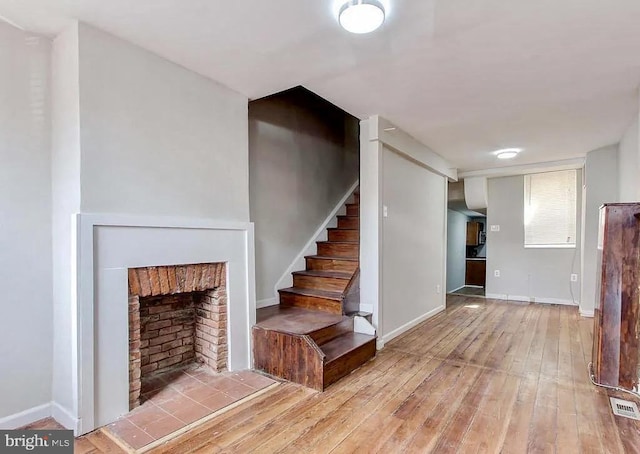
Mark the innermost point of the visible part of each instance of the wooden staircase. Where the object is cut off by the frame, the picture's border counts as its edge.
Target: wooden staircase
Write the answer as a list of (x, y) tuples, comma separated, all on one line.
[(310, 337)]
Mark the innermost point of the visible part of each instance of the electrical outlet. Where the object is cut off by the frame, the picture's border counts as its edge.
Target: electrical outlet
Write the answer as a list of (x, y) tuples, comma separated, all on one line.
[(574, 278), (496, 273), (495, 228), (385, 211), (438, 289)]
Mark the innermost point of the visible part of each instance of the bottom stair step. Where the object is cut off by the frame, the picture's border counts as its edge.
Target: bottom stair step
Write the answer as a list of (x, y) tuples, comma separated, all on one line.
[(346, 353)]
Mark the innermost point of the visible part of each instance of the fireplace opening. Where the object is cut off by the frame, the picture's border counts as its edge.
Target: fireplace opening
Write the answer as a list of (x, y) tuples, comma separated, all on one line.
[(177, 317)]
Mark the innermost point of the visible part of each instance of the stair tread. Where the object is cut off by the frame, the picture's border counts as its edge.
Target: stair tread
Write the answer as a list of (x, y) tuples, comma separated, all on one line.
[(295, 320), (327, 257), (338, 242), (337, 296), (342, 229), (324, 273), (344, 344)]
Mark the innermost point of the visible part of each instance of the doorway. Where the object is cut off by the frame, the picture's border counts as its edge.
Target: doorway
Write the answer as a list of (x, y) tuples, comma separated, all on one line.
[(466, 252)]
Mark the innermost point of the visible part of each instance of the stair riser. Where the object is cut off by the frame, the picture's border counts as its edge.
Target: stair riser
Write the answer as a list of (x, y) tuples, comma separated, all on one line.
[(344, 235), (349, 222), (311, 302), (324, 335), (338, 249), (331, 265), (353, 209), (347, 363), (320, 283)]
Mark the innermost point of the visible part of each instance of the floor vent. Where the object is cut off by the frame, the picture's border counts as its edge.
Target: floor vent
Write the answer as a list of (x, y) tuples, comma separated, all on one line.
[(624, 408)]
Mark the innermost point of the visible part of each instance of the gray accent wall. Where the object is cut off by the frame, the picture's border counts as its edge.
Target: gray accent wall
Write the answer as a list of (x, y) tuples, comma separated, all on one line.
[(303, 157), (540, 273), (456, 249)]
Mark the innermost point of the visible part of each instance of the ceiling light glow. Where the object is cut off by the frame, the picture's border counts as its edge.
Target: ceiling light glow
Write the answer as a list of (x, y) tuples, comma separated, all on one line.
[(361, 16), (507, 153)]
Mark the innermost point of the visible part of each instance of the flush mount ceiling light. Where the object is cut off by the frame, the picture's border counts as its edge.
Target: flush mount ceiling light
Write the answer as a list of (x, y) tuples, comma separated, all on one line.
[(361, 16), (507, 153)]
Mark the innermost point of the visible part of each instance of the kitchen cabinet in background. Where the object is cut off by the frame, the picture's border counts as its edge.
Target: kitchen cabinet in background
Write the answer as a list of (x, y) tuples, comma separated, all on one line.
[(476, 270), (473, 233)]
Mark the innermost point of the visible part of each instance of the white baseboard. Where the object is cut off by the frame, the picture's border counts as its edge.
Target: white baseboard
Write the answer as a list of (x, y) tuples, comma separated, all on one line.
[(528, 299), (456, 289), (266, 302), (589, 314), (407, 326), (65, 418), (51, 409), (25, 417), (320, 235), (366, 308)]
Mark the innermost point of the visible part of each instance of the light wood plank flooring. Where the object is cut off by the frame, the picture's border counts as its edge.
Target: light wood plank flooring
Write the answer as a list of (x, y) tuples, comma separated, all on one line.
[(485, 376)]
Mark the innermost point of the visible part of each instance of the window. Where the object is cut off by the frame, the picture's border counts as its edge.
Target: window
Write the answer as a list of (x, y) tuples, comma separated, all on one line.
[(550, 209)]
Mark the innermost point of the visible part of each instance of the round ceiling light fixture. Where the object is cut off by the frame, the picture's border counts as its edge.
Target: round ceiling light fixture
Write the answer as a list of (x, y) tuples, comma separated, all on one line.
[(507, 153), (361, 16)]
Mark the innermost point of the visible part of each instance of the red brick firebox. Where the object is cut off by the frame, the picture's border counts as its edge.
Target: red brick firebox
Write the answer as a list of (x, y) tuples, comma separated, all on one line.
[(177, 315)]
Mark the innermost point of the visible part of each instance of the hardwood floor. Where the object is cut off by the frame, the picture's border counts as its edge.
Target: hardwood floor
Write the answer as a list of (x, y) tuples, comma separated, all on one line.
[(485, 376)]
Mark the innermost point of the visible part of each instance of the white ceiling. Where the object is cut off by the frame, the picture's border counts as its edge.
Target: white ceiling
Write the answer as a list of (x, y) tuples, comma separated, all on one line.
[(556, 77)]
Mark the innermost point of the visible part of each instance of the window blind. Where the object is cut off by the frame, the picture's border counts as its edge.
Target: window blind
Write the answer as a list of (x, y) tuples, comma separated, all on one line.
[(550, 209)]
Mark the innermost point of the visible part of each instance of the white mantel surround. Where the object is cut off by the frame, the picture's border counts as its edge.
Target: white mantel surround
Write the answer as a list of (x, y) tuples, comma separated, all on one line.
[(107, 245)]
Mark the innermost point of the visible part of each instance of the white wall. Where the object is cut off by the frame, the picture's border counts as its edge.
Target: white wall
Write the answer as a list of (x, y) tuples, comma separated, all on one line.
[(456, 249), (65, 174), (158, 139), (25, 225), (601, 170), (303, 157), (414, 243), (540, 273), (133, 134), (628, 164), (402, 256), (370, 221)]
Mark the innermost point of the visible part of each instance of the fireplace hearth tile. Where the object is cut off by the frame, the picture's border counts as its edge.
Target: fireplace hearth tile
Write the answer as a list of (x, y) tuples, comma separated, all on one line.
[(217, 401), (163, 426), (130, 433), (191, 413), (180, 398)]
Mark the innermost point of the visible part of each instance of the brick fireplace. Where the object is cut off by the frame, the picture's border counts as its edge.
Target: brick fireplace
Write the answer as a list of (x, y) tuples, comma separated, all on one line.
[(177, 315)]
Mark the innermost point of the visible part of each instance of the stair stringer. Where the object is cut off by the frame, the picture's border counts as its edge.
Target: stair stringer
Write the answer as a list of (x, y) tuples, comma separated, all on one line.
[(298, 263)]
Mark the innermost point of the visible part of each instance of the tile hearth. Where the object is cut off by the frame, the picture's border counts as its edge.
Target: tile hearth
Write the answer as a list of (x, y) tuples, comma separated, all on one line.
[(177, 399)]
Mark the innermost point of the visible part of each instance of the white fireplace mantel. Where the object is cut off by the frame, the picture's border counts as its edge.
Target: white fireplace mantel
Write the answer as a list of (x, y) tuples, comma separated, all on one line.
[(106, 245)]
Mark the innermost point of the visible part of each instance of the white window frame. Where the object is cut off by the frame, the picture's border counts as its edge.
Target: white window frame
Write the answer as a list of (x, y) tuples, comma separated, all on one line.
[(524, 212)]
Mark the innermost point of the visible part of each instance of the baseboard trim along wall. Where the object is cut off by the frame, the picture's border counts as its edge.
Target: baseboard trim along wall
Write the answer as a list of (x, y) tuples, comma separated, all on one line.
[(587, 313), (531, 299), (25, 417), (266, 302), (407, 326), (61, 415)]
